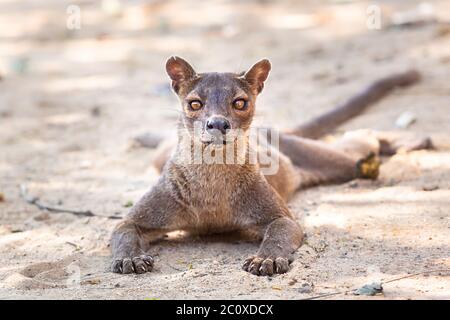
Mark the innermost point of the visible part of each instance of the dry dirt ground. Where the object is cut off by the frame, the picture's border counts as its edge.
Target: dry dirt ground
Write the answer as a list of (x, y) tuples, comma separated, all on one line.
[(71, 100)]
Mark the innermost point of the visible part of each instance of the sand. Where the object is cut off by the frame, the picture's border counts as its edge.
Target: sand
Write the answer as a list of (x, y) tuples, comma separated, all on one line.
[(72, 100)]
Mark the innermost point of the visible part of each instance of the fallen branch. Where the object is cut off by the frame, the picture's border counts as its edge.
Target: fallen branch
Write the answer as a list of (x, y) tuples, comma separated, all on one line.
[(382, 283), (36, 202)]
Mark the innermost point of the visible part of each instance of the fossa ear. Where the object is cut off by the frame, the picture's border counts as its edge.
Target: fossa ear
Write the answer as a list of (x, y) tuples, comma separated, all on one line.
[(257, 74), (179, 70)]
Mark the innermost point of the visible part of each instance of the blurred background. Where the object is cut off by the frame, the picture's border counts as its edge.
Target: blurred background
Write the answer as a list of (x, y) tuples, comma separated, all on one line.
[(80, 79)]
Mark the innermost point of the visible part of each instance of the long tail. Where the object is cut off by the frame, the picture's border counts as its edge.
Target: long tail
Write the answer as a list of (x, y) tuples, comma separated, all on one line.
[(329, 121)]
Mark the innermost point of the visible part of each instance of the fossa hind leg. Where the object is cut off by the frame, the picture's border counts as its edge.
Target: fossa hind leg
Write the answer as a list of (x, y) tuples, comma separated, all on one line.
[(317, 162), (359, 142), (354, 155)]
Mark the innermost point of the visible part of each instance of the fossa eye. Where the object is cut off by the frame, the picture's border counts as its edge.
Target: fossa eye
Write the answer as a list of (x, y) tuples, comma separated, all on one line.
[(240, 104), (195, 105)]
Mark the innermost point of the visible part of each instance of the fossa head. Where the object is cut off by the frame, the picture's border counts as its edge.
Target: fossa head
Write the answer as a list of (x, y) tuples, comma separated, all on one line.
[(216, 104)]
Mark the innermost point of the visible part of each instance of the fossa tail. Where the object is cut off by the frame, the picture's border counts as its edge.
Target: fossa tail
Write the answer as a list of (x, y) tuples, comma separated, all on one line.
[(329, 121)]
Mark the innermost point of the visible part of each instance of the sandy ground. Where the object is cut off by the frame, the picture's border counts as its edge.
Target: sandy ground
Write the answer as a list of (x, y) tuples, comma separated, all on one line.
[(71, 100)]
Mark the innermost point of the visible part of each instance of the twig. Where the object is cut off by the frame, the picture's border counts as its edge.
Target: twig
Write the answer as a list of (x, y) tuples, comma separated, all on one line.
[(416, 274), (175, 268), (324, 295), (388, 281), (36, 202), (77, 247)]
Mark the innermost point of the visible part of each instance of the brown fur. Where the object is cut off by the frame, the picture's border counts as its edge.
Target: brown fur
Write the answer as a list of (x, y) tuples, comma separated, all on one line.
[(211, 198)]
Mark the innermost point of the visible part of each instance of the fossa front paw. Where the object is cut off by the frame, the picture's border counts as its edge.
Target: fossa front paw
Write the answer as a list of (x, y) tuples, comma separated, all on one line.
[(265, 266), (140, 264)]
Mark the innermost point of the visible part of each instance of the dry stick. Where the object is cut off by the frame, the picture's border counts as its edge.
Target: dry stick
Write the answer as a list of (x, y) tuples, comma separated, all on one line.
[(329, 121), (392, 280), (416, 274), (36, 202)]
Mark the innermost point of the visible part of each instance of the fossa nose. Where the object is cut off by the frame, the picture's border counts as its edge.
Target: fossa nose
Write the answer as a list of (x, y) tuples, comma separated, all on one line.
[(216, 124)]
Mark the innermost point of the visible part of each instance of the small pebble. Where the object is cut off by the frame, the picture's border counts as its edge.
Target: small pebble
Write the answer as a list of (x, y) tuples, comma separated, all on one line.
[(353, 184), (95, 111), (42, 217), (430, 187), (305, 288), (405, 120), (128, 204)]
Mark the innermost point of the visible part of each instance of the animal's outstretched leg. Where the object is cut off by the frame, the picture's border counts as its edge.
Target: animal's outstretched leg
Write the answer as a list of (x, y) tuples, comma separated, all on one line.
[(281, 238), (156, 213), (264, 212), (393, 142), (354, 155), (318, 162), (361, 142)]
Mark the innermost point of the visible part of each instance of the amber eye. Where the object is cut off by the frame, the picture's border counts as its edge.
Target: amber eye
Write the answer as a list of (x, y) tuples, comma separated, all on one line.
[(195, 105), (240, 104)]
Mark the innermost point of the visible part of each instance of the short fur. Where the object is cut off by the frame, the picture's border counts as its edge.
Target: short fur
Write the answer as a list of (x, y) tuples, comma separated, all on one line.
[(211, 198)]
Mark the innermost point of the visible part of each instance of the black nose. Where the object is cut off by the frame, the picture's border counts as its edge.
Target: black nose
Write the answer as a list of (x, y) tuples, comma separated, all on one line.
[(220, 124)]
